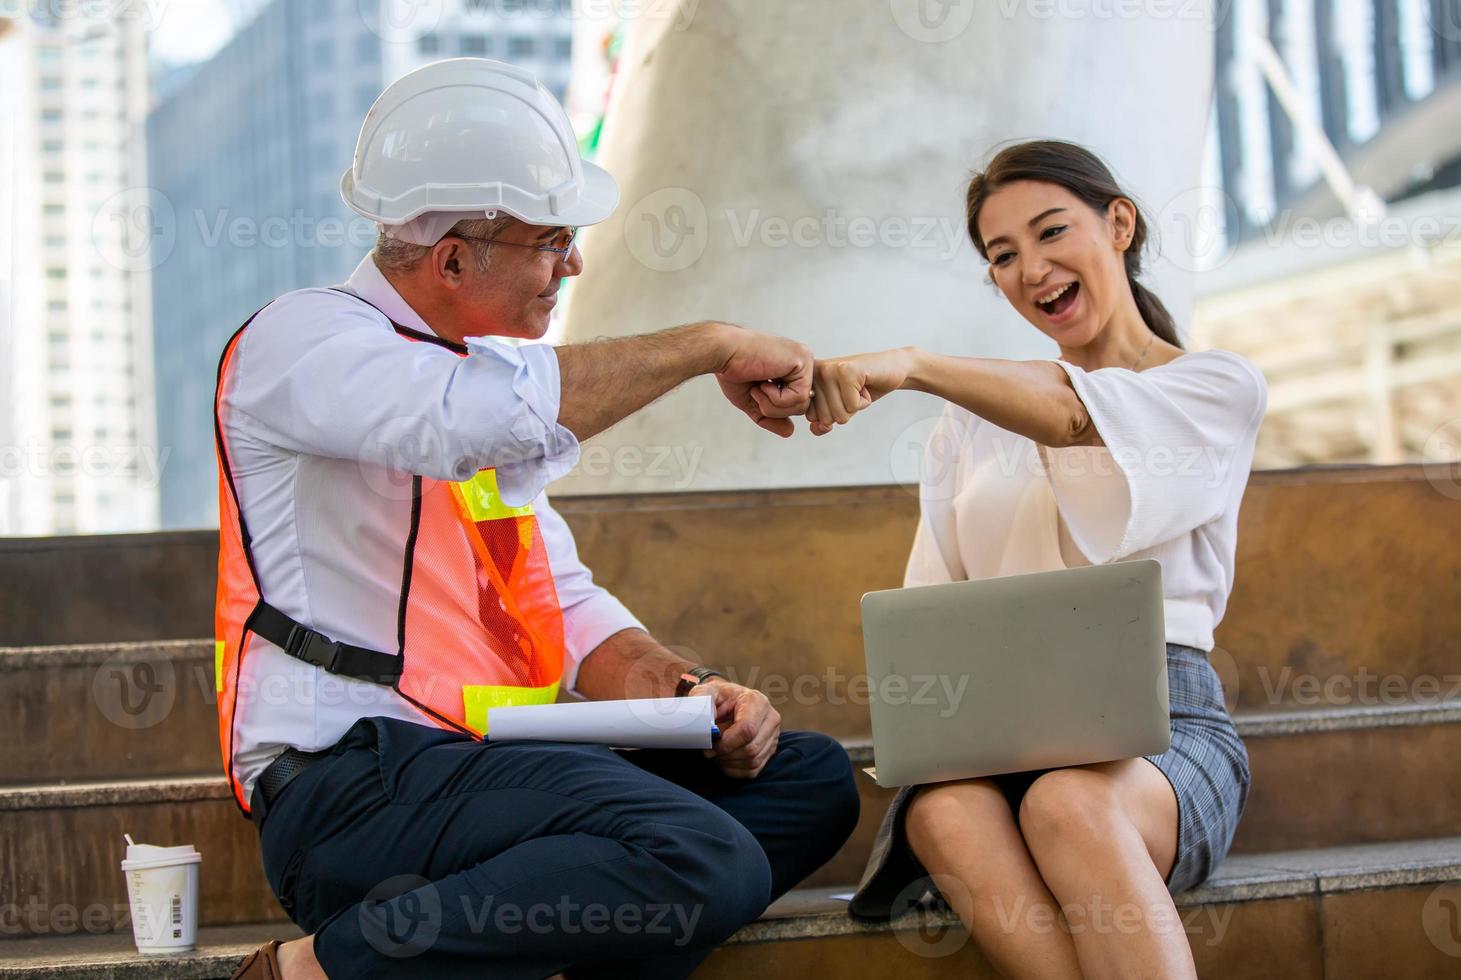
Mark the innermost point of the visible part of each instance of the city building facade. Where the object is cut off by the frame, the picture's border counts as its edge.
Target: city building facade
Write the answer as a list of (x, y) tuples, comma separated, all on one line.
[(248, 152), (79, 446)]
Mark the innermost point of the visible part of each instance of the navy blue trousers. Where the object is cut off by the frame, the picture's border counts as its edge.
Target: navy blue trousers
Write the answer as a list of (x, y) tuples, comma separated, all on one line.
[(416, 852)]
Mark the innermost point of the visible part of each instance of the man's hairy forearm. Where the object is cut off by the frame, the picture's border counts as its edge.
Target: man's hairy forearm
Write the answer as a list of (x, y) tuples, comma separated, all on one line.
[(630, 664), (606, 380)]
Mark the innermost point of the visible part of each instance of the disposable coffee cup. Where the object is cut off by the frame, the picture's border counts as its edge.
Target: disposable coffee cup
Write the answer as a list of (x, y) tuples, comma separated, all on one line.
[(162, 889)]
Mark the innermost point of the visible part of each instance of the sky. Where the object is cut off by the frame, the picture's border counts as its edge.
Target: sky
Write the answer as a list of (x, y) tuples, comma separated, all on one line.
[(191, 30)]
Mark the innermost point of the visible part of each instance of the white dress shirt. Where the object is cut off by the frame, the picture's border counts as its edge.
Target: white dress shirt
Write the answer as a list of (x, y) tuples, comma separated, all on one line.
[(1166, 485), (327, 413)]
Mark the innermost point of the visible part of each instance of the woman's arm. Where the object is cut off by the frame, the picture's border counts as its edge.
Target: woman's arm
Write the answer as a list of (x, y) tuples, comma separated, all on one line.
[(1029, 398)]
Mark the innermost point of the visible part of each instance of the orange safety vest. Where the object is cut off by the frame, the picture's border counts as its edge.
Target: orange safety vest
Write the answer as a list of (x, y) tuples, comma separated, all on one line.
[(479, 621)]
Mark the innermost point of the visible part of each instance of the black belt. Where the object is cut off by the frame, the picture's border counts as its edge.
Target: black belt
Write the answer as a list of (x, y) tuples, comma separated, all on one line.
[(277, 775)]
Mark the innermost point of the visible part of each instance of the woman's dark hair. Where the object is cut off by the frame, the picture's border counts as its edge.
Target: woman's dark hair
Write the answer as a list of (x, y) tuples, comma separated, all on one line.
[(1082, 173)]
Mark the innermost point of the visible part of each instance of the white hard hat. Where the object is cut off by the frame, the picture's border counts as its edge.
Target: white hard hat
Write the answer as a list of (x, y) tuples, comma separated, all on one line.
[(468, 138)]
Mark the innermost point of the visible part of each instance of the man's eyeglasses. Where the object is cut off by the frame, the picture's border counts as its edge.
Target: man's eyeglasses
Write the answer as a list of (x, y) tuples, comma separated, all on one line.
[(562, 242)]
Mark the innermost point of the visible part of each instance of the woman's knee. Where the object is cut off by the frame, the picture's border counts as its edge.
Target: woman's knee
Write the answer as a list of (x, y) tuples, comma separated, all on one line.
[(947, 811), (1069, 808)]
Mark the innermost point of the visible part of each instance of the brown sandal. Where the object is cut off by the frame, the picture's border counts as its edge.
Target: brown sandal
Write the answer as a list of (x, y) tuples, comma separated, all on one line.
[(261, 964)]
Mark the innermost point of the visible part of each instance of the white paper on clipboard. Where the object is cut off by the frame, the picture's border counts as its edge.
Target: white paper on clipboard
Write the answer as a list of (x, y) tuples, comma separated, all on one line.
[(641, 723)]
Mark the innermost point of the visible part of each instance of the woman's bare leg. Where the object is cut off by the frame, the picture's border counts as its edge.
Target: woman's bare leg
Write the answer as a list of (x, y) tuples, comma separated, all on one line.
[(965, 831), (1104, 838)]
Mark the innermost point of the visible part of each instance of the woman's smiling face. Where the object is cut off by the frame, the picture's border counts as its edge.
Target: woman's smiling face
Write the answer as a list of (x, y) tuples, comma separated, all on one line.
[(1058, 261)]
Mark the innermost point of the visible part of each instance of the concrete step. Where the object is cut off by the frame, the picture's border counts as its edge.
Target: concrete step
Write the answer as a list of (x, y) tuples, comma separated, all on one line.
[(1310, 622), (1306, 598), (1321, 779), (1351, 775), (135, 710), (104, 588), (111, 955), (1348, 912), (108, 710), (61, 849)]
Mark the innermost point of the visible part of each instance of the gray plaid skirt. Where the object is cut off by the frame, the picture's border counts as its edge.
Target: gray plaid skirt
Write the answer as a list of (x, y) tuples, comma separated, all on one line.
[(1206, 764)]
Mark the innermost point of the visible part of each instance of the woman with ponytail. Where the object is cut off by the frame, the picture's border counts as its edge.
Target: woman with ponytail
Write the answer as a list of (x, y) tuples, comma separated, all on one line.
[(1126, 447)]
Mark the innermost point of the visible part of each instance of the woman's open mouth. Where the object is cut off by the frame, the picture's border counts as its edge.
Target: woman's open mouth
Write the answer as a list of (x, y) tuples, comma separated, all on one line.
[(1057, 302)]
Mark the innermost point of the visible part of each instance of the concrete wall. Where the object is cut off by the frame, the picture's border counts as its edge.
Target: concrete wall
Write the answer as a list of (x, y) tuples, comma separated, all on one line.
[(800, 168)]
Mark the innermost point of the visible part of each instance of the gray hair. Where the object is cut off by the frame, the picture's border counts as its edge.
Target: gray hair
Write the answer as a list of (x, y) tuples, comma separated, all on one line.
[(395, 255)]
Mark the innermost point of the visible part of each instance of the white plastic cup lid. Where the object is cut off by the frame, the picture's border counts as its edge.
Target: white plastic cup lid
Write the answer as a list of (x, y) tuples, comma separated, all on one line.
[(157, 854)]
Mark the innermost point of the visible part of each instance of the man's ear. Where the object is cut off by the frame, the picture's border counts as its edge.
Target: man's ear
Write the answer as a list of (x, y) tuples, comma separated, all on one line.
[(447, 257), (1121, 218)]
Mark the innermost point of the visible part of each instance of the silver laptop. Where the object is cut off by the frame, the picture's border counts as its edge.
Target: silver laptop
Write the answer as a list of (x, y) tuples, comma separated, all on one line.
[(1010, 674)]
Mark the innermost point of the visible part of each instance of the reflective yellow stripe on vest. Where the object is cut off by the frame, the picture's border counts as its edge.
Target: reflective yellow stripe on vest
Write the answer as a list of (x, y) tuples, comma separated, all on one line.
[(484, 502), (477, 698)]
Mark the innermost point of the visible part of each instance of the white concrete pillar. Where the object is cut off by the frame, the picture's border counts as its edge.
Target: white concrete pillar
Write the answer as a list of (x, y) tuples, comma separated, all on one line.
[(800, 168)]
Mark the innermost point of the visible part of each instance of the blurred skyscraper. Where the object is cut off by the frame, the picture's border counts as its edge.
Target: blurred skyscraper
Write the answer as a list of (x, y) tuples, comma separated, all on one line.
[(75, 370), (1378, 78), (532, 34), (248, 152), (24, 496)]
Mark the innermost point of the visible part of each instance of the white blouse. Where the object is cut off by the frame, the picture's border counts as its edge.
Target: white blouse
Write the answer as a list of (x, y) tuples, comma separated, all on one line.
[(1167, 485)]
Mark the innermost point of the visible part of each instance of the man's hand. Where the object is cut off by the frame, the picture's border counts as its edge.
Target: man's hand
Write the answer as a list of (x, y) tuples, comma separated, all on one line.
[(767, 377), (602, 382), (750, 729), (846, 385)]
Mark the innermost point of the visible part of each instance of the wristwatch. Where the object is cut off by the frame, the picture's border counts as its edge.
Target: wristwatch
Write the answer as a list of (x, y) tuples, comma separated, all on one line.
[(694, 677)]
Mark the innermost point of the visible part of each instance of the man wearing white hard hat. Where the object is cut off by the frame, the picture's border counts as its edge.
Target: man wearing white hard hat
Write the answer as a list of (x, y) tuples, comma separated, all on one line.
[(390, 570)]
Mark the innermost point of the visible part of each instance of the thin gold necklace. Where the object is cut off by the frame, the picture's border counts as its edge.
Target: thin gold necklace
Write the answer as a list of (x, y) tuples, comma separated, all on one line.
[(1144, 351)]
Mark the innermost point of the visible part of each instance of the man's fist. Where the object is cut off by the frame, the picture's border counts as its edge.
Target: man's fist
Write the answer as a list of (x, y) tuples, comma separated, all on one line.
[(767, 377)]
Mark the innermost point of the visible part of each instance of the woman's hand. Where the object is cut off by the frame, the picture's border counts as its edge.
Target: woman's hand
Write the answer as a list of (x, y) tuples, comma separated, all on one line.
[(844, 386)]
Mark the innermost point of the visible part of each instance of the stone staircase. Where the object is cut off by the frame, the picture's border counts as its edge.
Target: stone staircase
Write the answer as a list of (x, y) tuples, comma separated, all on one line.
[(1339, 655)]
